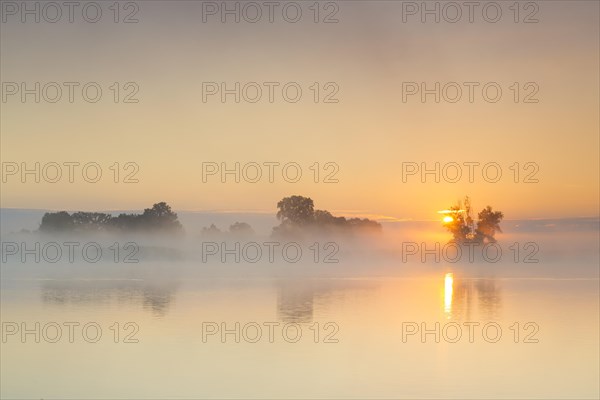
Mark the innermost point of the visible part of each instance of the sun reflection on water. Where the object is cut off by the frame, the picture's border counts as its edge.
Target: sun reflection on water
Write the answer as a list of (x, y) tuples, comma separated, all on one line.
[(448, 282)]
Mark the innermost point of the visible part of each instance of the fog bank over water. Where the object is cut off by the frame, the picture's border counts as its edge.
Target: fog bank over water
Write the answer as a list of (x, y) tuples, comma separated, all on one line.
[(557, 248), (352, 311)]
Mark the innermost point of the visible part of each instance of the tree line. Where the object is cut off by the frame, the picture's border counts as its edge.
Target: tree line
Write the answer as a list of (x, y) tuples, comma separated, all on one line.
[(158, 218), (296, 214)]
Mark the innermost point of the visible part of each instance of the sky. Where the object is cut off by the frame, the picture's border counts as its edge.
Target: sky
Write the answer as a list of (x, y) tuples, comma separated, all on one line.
[(367, 61)]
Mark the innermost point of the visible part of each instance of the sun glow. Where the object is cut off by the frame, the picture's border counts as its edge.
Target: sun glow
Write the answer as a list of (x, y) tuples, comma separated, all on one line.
[(447, 219)]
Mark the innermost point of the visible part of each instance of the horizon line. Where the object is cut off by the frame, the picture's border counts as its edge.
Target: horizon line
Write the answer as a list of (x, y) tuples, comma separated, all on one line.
[(377, 217)]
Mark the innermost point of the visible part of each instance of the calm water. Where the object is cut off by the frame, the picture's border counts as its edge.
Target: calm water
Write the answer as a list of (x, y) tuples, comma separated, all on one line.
[(351, 320)]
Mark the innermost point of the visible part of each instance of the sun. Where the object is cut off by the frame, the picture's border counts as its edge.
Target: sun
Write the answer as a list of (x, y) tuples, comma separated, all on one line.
[(447, 219)]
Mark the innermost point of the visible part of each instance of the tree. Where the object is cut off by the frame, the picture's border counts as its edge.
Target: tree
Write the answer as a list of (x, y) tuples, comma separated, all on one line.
[(90, 221), (488, 224), (297, 210), (458, 224), (126, 222), (56, 222), (212, 230), (160, 216), (297, 215), (324, 218), (462, 227), (241, 229), (364, 224)]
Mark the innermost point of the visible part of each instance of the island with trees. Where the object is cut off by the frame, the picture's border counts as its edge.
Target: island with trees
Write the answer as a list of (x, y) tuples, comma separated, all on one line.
[(159, 218), (459, 221), (297, 215)]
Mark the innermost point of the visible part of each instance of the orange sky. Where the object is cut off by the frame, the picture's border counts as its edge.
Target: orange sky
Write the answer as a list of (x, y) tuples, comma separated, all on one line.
[(368, 134)]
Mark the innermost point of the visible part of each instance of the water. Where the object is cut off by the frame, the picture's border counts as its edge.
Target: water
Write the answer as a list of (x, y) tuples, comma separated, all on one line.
[(355, 321)]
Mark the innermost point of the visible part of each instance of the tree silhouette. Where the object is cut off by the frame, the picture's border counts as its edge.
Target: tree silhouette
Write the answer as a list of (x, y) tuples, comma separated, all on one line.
[(324, 218), (126, 222), (364, 224), (212, 230), (56, 222), (90, 221), (463, 228), (297, 214), (297, 210), (458, 226), (241, 229), (158, 218), (489, 224)]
